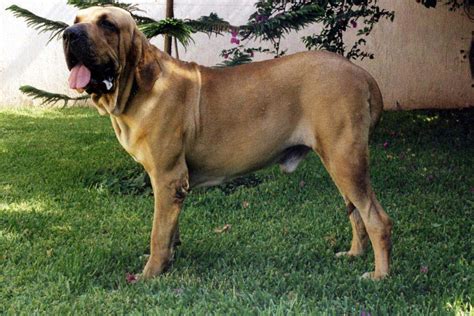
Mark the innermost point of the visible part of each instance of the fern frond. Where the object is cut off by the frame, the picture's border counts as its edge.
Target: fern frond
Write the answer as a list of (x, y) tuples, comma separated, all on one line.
[(132, 8), (82, 4), (38, 23), (275, 26), (235, 61), (140, 19), (209, 24), (170, 26), (49, 98)]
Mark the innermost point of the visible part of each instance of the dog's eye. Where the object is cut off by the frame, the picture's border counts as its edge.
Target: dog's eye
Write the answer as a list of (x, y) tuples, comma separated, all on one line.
[(107, 25)]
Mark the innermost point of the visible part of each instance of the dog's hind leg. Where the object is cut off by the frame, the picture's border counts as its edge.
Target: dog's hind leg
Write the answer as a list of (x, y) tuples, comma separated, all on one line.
[(346, 160), (360, 239)]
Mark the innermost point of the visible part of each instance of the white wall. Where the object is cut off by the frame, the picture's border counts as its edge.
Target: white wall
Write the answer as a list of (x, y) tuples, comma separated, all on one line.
[(26, 60), (418, 61)]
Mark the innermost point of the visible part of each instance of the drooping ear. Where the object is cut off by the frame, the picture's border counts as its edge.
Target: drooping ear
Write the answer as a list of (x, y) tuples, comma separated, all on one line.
[(137, 59), (147, 69), (115, 102)]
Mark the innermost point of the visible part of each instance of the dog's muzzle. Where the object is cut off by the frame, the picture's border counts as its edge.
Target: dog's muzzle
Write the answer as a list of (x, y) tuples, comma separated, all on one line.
[(86, 73)]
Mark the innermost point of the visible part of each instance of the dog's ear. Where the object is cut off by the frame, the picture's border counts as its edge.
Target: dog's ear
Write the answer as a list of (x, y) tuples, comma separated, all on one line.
[(147, 69), (115, 102), (138, 63)]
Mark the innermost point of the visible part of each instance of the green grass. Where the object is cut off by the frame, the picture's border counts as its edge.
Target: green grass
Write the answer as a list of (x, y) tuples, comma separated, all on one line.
[(69, 233)]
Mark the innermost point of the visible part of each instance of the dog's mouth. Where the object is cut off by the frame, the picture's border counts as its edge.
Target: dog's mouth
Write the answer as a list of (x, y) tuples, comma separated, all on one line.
[(79, 77), (86, 73), (98, 79)]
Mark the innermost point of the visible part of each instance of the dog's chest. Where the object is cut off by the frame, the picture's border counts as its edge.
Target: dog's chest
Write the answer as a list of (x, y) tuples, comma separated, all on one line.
[(127, 138)]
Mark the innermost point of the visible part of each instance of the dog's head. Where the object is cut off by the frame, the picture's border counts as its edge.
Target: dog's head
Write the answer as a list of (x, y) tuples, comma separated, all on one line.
[(107, 56)]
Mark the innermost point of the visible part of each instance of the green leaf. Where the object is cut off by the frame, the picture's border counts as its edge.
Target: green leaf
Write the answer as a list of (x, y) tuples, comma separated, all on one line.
[(49, 97), (275, 26), (38, 23), (172, 27), (82, 4), (209, 24)]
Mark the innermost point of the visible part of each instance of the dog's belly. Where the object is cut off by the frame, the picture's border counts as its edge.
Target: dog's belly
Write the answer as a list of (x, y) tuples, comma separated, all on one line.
[(288, 159), (200, 179), (216, 169), (214, 174), (226, 166)]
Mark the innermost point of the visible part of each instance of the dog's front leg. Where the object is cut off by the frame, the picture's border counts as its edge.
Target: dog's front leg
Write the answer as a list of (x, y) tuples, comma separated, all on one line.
[(170, 190)]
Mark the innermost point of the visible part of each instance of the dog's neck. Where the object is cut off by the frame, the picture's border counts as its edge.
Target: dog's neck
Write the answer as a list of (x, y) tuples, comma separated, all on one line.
[(131, 96)]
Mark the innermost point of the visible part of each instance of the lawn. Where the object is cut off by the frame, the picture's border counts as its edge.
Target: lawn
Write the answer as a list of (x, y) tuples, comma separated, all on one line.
[(75, 218)]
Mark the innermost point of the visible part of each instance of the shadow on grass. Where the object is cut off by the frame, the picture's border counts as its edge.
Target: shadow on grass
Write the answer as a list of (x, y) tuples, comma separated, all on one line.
[(427, 129)]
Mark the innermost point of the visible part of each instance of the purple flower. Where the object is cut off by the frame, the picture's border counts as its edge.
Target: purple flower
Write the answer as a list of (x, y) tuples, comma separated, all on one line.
[(385, 145), (424, 269), (226, 56), (354, 23), (234, 40)]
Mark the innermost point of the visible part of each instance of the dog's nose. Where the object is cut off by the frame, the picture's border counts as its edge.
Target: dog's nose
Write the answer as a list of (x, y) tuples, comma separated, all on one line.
[(73, 32)]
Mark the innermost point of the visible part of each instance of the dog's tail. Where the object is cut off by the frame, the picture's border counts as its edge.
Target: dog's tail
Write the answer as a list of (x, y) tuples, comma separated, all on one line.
[(375, 103)]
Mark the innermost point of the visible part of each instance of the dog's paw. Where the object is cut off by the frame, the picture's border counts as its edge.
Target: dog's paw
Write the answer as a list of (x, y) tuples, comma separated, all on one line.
[(347, 254), (147, 274), (373, 276), (157, 265), (151, 270), (342, 254)]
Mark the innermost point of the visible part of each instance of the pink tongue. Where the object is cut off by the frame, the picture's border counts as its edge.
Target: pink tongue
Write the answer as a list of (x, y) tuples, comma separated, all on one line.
[(79, 77)]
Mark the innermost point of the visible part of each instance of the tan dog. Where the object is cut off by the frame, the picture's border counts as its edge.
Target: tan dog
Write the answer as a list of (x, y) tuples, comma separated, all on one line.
[(190, 125)]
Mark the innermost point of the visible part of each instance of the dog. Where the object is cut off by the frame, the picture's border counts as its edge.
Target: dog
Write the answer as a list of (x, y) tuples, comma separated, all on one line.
[(190, 125)]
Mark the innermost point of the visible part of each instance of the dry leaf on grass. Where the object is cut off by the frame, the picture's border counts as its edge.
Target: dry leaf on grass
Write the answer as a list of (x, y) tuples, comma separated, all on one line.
[(131, 278)]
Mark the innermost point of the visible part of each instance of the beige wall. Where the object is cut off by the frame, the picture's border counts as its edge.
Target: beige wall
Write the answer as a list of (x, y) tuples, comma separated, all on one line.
[(418, 62)]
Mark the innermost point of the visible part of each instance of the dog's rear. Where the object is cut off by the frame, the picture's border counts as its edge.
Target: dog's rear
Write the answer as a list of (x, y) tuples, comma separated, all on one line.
[(375, 102)]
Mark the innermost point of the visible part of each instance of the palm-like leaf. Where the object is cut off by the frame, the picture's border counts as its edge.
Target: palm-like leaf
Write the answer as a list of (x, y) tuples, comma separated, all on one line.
[(235, 61), (82, 4), (48, 97), (275, 26), (209, 24), (39, 23), (172, 27), (132, 8), (140, 19)]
